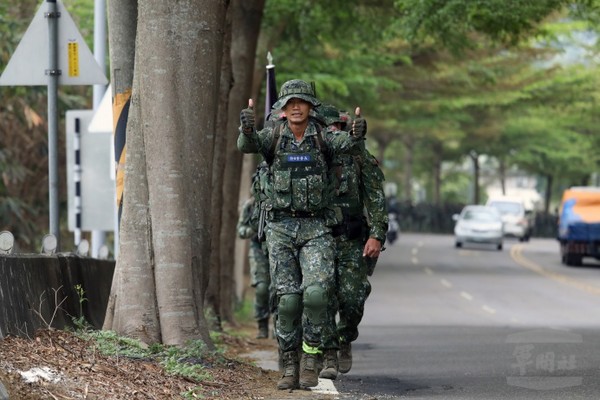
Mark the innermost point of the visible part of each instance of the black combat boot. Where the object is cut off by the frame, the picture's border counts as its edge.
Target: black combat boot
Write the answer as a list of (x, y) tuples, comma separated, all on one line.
[(330, 365), (289, 379), (263, 329), (345, 357)]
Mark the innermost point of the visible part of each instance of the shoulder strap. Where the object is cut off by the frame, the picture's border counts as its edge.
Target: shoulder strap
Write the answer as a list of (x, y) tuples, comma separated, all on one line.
[(277, 130)]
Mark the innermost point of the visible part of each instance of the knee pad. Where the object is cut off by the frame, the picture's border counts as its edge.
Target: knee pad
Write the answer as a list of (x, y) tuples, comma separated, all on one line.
[(289, 311), (316, 302), (262, 290)]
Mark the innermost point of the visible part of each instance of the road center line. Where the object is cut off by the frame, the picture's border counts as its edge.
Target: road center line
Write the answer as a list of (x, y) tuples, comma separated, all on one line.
[(517, 256)]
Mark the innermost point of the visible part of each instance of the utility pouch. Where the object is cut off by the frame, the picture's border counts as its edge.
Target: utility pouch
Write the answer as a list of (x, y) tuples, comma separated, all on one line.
[(355, 228)]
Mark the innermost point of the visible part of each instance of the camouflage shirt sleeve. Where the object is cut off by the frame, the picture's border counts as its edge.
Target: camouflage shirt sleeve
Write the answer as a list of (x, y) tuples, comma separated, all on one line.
[(374, 196), (256, 142), (341, 142)]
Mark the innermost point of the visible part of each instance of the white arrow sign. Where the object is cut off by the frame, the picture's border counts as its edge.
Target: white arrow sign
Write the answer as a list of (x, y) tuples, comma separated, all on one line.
[(28, 65)]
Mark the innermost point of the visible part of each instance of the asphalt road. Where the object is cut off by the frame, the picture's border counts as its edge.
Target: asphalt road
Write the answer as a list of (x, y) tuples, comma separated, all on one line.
[(477, 323)]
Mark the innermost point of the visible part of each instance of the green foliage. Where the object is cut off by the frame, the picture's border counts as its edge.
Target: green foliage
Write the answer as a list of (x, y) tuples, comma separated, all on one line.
[(190, 361), (80, 322), (339, 40), (452, 22)]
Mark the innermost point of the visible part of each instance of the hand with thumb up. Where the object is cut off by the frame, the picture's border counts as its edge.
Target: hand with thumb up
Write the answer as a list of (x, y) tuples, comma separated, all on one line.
[(247, 118), (359, 125)]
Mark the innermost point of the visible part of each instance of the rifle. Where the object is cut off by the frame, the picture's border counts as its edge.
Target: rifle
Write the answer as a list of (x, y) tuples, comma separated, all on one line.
[(262, 216)]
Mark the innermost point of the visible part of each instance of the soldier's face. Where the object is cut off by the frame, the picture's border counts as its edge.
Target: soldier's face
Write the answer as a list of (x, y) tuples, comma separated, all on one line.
[(297, 110)]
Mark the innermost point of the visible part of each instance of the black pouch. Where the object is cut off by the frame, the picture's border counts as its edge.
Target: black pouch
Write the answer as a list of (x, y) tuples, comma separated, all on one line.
[(355, 229)]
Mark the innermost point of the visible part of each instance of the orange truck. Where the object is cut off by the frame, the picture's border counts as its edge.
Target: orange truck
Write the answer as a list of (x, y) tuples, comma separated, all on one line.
[(579, 224)]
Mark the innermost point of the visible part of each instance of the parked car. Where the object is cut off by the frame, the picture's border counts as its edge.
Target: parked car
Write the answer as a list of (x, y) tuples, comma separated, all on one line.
[(478, 224), (518, 221)]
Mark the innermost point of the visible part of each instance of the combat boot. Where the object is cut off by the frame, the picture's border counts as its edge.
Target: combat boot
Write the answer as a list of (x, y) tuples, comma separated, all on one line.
[(263, 329), (330, 365), (309, 373), (289, 379), (345, 357)]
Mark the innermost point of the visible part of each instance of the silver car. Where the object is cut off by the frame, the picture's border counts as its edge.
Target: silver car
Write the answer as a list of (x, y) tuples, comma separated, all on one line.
[(478, 224)]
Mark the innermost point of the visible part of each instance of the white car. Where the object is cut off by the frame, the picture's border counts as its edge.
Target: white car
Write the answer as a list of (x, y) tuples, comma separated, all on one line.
[(478, 224), (518, 222)]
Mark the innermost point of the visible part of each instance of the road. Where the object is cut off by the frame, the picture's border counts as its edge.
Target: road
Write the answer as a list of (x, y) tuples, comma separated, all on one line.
[(477, 323)]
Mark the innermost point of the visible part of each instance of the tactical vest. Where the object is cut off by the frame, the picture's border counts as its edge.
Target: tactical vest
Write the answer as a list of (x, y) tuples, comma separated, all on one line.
[(347, 177), (299, 176)]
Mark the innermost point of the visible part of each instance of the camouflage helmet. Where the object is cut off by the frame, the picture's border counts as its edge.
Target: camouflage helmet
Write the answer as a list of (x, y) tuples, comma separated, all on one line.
[(298, 89), (345, 119), (329, 113)]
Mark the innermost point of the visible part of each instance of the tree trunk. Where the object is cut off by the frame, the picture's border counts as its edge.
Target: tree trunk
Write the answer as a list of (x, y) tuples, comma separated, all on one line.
[(212, 293), (502, 174), (408, 142), (246, 18), (170, 140), (437, 172), (475, 158), (133, 282), (548, 195)]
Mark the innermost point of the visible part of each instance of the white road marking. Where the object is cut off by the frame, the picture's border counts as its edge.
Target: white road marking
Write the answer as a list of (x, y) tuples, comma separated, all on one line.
[(488, 309), (466, 295), (325, 386), (414, 251), (428, 271), (414, 260), (446, 283)]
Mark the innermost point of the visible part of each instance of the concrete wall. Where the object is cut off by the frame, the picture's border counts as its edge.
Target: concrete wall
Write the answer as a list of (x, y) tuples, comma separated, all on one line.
[(38, 291)]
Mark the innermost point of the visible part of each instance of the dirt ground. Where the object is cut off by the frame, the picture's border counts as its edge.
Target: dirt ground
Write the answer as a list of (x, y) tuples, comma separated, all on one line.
[(60, 365)]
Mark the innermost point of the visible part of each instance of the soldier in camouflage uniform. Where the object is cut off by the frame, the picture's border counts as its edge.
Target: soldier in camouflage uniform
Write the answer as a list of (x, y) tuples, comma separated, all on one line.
[(301, 248), (247, 228), (359, 239)]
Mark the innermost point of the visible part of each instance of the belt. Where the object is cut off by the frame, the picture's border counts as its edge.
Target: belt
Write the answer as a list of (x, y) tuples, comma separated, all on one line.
[(297, 214)]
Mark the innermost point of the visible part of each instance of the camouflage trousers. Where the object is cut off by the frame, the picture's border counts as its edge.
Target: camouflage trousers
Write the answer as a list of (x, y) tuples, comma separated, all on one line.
[(301, 255), (259, 273), (352, 290)]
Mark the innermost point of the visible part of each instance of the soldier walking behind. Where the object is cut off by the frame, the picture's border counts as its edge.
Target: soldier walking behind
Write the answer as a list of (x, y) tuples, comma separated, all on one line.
[(359, 238), (260, 279)]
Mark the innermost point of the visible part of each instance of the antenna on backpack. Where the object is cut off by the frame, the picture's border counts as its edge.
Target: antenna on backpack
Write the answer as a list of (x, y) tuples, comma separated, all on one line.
[(314, 87)]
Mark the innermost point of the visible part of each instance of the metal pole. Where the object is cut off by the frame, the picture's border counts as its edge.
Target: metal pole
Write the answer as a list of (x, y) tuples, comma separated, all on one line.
[(99, 237), (53, 73)]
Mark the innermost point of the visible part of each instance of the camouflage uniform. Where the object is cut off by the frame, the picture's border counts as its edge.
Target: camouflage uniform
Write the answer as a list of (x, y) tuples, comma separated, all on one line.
[(359, 187), (260, 278), (301, 248)]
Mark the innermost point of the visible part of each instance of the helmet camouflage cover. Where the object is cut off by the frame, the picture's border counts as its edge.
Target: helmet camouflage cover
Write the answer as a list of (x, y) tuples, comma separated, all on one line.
[(329, 113), (296, 89)]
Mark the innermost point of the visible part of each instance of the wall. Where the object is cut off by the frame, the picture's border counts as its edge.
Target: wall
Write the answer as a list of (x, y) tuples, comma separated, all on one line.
[(38, 291)]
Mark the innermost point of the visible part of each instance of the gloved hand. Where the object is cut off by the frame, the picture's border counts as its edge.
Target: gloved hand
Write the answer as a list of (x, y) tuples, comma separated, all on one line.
[(359, 125), (247, 118)]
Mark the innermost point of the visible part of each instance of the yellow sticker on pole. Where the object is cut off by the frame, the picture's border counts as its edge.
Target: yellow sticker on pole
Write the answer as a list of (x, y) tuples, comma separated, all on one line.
[(73, 53)]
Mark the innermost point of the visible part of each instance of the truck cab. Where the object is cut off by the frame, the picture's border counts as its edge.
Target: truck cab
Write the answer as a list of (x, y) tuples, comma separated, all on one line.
[(579, 224)]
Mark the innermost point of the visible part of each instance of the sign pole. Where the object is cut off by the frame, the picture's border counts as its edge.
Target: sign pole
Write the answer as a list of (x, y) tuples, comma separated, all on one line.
[(53, 73)]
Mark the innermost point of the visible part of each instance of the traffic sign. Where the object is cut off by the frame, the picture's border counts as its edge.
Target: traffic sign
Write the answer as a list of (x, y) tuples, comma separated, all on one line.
[(28, 65)]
